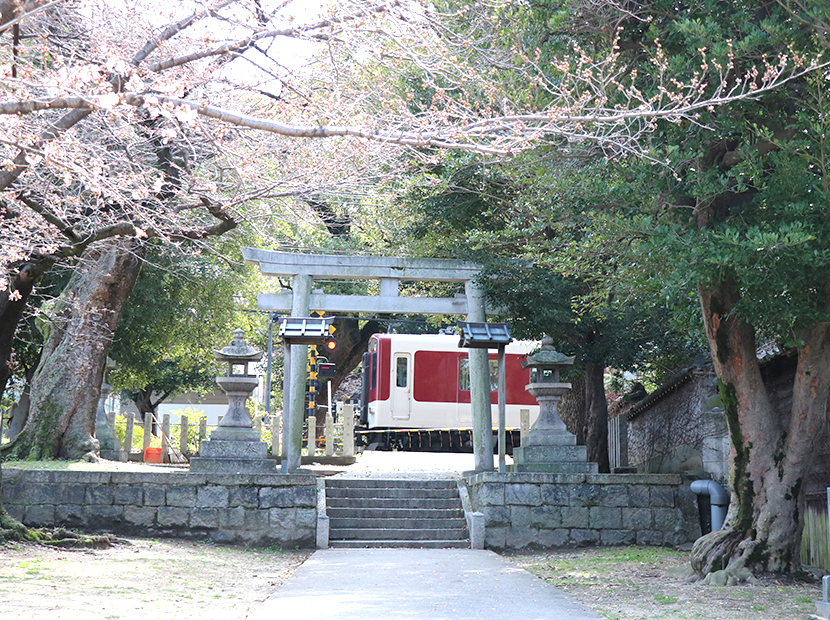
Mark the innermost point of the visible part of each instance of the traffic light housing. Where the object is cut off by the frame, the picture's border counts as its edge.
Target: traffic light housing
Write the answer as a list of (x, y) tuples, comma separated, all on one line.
[(326, 370), (331, 343)]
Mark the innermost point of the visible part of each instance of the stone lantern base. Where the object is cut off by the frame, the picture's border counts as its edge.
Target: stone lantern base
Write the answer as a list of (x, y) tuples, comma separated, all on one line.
[(549, 447), (233, 450), (234, 446), (560, 455)]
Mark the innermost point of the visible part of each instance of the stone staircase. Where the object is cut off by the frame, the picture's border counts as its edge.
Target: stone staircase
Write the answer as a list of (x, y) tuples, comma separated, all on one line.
[(395, 513)]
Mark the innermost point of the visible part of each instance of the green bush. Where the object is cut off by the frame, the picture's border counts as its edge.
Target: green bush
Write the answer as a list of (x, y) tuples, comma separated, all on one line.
[(193, 417), (138, 433)]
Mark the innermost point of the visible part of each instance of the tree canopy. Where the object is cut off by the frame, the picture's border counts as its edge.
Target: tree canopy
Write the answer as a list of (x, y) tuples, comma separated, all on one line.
[(173, 321)]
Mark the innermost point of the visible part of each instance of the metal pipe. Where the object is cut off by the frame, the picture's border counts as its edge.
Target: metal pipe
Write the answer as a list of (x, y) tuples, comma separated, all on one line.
[(718, 500), (502, 409), (268, 369), (286, 410)]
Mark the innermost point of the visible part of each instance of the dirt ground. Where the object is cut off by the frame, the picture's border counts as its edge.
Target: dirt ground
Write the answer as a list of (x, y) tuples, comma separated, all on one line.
[(639, 583), (142, 579), (171, 579)]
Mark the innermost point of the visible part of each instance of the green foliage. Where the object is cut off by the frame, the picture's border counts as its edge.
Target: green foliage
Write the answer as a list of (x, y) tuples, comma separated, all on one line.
[(746, 198), (121, 432), (540, 229), (181, 309), (193, 440), (267, 437), (193, 416)]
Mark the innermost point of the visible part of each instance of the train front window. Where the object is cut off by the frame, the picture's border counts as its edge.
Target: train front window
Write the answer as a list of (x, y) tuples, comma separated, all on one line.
[(401, 372)]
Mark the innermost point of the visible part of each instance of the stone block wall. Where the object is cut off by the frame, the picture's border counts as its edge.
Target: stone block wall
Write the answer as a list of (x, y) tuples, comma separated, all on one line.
[(666, 430), (256, 509), (537, 510)]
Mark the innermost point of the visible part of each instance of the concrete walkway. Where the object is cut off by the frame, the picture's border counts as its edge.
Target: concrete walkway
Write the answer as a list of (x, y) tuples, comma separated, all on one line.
[(422, 465), (427, 584)]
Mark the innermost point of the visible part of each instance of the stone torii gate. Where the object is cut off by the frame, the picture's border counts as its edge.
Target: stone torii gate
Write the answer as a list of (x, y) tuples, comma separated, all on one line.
[(390, 271)]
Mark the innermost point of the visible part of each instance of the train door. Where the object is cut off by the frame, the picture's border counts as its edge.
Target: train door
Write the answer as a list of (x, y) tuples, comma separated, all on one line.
[(401, 396)]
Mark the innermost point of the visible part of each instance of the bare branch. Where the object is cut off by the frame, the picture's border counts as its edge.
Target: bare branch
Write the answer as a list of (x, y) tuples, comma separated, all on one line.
[(12, 12), (38, 207)]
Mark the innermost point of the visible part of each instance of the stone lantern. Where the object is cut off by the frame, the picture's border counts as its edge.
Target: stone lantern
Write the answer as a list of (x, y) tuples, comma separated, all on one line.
[(109, 447), (234, 445), (238, 383), (549, 447)]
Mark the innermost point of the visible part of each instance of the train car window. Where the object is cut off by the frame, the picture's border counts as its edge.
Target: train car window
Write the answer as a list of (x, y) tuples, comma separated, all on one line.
[(464, 375), (373, 363), (494, 375), (401, 373)]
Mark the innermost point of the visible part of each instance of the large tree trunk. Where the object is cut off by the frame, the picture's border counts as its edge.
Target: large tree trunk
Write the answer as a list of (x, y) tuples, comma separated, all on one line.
[(572, 409), (352, 343), (66, 386), (768, 462), (143, 401), (596, 416), (20, 410)]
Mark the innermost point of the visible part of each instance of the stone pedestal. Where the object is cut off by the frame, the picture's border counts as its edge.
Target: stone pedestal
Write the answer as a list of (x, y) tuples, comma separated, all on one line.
[(234, 446), (549, 447), (823, 606), (233, 451)]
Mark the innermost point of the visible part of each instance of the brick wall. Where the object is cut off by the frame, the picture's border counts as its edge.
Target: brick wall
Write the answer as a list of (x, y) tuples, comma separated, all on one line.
[(574, 510), (257, 509)]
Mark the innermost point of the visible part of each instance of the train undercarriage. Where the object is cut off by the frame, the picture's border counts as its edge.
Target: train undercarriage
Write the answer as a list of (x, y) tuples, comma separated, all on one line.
[(427, 440)]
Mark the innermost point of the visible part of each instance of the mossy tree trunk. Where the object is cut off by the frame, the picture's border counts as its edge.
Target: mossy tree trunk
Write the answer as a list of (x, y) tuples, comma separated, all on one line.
[(768, 460), (66, 385)]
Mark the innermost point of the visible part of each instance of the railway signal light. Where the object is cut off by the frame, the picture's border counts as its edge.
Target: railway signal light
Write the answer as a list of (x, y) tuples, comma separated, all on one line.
[(331, 343)]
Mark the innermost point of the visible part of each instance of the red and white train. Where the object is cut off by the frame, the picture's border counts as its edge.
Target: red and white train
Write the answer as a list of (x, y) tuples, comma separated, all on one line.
[(416, 393)]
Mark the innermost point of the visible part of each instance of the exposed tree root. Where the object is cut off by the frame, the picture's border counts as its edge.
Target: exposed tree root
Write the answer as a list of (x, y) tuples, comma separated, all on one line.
[(726, 557), (714, 551), (12, 530), (66, 539), (734, 573)]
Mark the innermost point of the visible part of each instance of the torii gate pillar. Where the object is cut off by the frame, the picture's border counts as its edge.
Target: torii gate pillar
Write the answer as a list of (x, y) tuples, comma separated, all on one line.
[(294, 394), (479, 385), (303, 268)]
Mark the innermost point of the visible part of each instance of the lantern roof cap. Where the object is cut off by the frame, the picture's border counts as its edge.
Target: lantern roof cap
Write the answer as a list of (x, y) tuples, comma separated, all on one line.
[(547, 356), (238, 350)]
